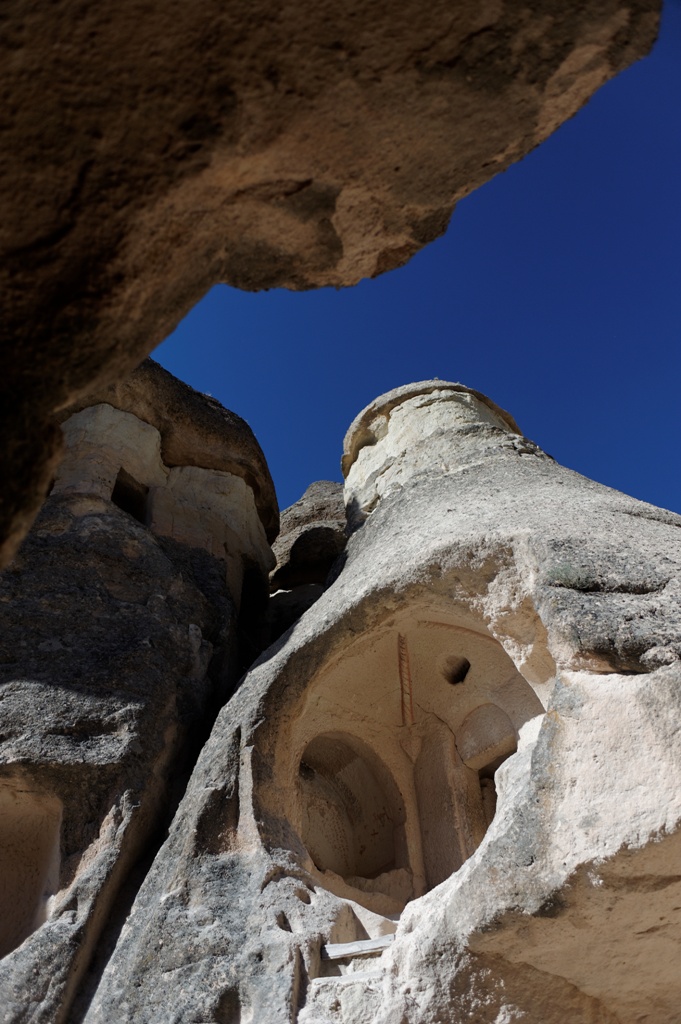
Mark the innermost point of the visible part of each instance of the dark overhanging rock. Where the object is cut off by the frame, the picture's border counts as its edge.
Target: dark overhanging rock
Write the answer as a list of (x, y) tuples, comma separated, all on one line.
[(150, 153)]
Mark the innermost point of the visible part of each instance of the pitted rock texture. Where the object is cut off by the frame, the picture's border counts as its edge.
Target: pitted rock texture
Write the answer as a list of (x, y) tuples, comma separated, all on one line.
[(150, 152), (115, 654), (443, 797), (312, 537)]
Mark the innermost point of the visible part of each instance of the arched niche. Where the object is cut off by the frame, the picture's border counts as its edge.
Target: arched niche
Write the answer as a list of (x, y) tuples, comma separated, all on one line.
[(438, 705), (352, 814)]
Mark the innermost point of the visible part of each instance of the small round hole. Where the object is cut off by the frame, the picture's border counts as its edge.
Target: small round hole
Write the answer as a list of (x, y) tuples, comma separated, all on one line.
[(455, 670)]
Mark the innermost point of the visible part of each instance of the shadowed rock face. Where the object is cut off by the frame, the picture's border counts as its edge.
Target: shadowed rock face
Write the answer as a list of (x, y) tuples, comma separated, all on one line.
[(152, 151), (312, 536), (451, 794), (115, 653), (123, 620)]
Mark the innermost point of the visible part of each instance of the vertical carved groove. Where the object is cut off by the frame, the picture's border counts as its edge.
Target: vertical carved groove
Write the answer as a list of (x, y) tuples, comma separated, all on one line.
[(406, 697)]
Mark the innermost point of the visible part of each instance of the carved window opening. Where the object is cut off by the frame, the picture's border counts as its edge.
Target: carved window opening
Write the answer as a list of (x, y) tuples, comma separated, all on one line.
[(131, 496), (30, 826), (455, 669)]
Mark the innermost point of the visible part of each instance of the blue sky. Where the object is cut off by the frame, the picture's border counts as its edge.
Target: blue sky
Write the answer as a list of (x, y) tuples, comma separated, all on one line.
[(556, 291)]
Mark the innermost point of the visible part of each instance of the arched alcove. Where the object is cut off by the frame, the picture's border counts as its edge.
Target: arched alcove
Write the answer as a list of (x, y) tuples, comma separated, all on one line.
[(351, 810), (395, 748)]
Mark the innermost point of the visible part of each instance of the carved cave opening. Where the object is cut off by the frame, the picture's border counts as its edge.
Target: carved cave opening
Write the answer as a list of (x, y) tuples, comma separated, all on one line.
[(30, 825), (131, 496), (399, 743)]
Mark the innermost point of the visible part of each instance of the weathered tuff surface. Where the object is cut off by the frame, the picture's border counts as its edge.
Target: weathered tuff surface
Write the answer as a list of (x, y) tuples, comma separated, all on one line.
[(491, 600), (182, 465), (115, 653), (312, 537), (151, 151), (124, 618)]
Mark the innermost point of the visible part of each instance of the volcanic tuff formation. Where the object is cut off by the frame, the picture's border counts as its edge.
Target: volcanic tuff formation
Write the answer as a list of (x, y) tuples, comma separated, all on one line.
[(122, 622), (449, 793), (152, 150)]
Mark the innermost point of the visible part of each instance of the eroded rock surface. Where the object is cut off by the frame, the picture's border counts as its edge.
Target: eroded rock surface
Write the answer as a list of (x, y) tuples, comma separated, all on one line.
[(178, 462), (115, 648), (122, 622), (150, 152), (452, 793)]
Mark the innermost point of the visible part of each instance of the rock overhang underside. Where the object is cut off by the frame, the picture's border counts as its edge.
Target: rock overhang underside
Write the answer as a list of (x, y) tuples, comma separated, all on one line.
[(299, 148)]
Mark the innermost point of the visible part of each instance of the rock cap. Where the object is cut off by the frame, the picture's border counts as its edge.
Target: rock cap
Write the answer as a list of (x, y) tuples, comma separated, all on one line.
[(195, 429), (363, 429)]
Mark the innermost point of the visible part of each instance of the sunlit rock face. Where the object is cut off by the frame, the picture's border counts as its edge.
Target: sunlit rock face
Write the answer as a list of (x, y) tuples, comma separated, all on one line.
[(151, 152), (450, 793), (190, 429), (118, 644)]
